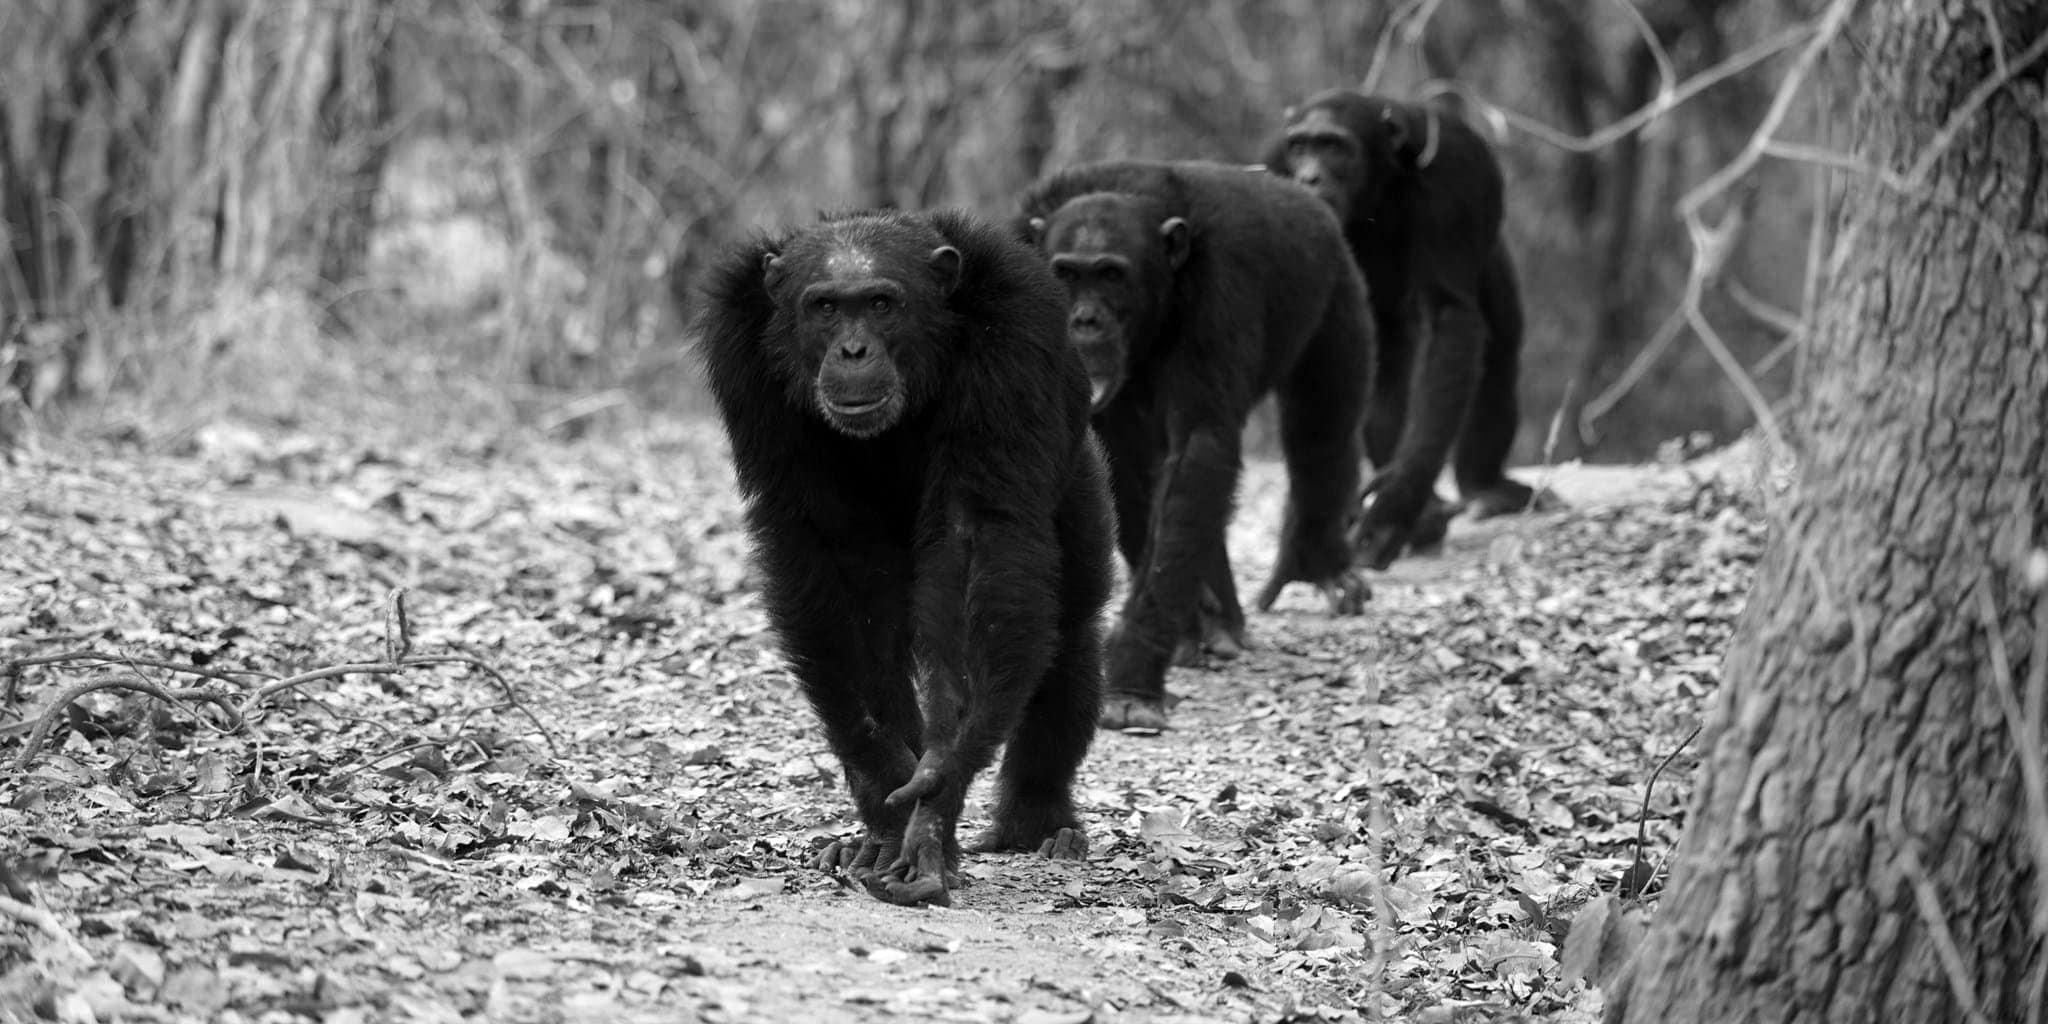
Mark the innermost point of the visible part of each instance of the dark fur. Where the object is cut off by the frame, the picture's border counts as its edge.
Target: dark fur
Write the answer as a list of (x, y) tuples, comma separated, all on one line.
[(967, 545), (1266, 300), (1447, 309)]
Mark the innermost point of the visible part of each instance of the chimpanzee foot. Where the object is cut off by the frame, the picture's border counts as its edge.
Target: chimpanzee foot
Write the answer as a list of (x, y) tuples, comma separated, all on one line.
[(860, 859), (1427, 536), (1066, 844), (1511, 496), (1140, 713), (1220, 645), (1044, 823), (1346, 593)]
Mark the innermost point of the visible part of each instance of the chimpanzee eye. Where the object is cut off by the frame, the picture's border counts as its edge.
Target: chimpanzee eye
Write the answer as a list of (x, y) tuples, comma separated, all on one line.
[(826, 307), (1064, 273), (1112, 274), (881, 304)]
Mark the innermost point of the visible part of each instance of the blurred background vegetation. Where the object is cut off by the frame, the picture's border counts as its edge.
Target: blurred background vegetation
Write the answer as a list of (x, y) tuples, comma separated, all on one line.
[(439, 212)]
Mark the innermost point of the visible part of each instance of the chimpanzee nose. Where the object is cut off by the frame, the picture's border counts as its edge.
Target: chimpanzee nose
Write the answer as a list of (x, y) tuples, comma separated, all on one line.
[(1085, 320), (1309, 176), (853, 349)]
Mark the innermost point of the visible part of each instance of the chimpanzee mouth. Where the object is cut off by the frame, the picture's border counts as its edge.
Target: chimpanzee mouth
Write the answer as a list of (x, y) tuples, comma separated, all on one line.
[(861, 417), (856, 408), (1101, 389)]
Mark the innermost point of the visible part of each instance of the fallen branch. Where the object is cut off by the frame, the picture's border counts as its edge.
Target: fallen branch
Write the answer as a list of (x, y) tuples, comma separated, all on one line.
[(45, 922), (237, 709)]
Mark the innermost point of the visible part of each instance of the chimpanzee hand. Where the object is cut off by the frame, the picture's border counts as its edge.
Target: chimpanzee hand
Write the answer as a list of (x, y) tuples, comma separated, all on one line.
[(1402, 513), (922, 873)]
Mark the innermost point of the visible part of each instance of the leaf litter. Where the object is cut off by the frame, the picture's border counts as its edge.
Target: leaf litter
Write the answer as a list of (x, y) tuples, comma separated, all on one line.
[(1389, 818)]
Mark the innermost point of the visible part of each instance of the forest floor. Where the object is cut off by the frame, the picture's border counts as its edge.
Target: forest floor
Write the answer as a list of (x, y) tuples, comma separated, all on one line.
[(605, 808)]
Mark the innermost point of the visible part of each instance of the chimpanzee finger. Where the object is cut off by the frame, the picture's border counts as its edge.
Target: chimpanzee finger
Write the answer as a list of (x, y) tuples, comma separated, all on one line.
[(924, 783), (1066, 844)]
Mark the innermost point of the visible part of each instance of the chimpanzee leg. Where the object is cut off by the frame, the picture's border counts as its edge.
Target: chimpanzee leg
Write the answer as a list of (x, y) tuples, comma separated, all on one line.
[(1219, 618), (857, 679), (1133, 468), (1034, 807), (1322, 409), (1197, 483), (1448, 334), (1481, 459), (1134, 454), (988, 617)]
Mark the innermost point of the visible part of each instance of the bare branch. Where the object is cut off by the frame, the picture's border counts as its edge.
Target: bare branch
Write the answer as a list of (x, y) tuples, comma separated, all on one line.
[(2025, 734), (1385, 44), (1736, 64), (1928, 903), (1972, 103), (1667, 73), (1610, 396), (45, 922), (237, 709), (47, 720)]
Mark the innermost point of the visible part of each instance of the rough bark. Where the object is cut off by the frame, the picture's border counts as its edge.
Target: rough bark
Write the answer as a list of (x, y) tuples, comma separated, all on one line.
[(1859, 848)]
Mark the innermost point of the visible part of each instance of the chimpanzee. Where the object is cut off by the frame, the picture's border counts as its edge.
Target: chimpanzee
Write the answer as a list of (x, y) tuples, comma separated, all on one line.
[(1194, 289), (931, 518), (1419, 194)]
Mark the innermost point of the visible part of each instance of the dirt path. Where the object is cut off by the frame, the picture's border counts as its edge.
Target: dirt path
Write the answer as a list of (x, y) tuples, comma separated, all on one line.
[(388, 851)]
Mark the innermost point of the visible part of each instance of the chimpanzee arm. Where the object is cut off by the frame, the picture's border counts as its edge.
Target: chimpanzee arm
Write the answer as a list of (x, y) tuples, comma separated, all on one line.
[(1450, 340), (1447, 335), (1189, 517), (986, 611)]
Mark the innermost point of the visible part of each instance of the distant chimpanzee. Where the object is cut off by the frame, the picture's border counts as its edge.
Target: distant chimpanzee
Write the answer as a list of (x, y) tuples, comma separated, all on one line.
[(1419, 194), (932, 520), (1194, 289)]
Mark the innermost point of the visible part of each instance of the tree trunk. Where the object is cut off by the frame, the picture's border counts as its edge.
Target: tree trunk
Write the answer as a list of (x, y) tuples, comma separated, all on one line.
[(1862, 846)]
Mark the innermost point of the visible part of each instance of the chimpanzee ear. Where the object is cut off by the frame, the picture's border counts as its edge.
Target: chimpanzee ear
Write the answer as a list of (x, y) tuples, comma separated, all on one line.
[(1395, 127), (771, 269), (1413, 145), (1174, 233), (945, 264)]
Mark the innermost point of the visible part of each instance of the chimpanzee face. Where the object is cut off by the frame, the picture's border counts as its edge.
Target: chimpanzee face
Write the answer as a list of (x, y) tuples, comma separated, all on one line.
[(867, 305), (1117, 257), (1347, 148), (1330, 159)]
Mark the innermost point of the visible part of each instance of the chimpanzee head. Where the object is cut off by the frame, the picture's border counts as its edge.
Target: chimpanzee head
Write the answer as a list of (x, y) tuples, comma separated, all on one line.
[(1117, 254), (863, 302), (1347, 148)]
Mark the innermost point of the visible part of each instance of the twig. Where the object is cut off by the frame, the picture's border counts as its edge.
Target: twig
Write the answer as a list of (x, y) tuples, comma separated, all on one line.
[(225, 675), (1667, 73), (1611, 395), (1706, 241), (398, 639), (2026, 735), (397, 627), (44, 921), (1648, 112), (1385, 42), (1643, 812), (47, 720), (1945, 137), (1972, 103), (1377, 827), (1928, 903)]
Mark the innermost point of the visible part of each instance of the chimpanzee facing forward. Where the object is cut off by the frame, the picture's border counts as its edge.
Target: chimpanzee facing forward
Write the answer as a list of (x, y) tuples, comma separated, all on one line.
[(1419, 195), (932, 520), (1194, 289)]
